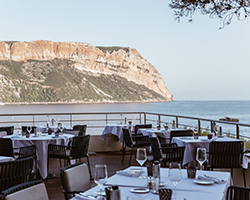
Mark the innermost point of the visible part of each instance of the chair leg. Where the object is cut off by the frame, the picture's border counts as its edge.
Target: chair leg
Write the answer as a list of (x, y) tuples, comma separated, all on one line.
[(244, 177), (132, 149), (89, 168), (123, 153)]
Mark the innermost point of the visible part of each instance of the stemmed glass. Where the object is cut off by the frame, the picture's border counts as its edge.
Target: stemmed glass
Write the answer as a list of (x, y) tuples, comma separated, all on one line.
[(60, 126), (201, 157), (18, 129), (101, 177), (141, 157), (29, 129), (174, 174)]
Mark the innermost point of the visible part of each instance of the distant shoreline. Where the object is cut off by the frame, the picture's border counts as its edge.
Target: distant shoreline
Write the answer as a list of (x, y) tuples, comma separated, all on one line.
[(80, 102)]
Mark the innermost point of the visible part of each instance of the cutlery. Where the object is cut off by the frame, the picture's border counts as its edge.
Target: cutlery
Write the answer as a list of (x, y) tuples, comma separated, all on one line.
[(88, 195), (219, 181)]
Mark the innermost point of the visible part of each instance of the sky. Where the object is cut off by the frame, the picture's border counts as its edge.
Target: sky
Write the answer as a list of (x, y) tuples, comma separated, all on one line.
[(196, 60)]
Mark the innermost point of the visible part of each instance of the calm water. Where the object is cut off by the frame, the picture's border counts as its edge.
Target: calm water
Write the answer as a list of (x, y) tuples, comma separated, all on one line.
[(202, 109)]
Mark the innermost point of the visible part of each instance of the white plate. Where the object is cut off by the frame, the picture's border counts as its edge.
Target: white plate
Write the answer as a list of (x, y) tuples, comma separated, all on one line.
[(204, 139), (134, 170), (203, 182), (140, 190), (187, 138), (162, 184)]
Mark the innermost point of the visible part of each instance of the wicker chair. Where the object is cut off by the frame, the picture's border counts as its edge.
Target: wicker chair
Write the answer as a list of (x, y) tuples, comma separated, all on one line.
[(75, 179), (137, 126), (77, 150), (15, 172), (238, 193), (81, 128), (226, 155), (179, 133), (8, 129), (29, 191), (169, 152), (133, 142), (6, 147)]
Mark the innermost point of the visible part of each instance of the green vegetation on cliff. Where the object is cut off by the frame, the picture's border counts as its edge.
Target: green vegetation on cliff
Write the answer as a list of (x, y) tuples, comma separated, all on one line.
[(59, 80)]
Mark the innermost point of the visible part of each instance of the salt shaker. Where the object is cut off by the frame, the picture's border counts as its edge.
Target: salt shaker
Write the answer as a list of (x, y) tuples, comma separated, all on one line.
[(115, 193), (156, 177)]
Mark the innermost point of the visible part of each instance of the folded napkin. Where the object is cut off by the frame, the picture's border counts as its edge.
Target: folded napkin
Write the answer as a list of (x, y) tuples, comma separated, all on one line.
[(83, 196), (129, 173), (209, 178)]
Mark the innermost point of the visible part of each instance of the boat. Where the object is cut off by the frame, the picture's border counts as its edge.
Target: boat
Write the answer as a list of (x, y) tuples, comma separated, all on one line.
[(229, 119)]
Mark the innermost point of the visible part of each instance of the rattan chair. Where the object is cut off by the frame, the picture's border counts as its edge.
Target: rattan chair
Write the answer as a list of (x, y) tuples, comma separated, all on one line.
[(226, 155), (33, 190), (8, 129), (180, 133), (133, 142), (168, 152), (6, 147), (137, 126), (81, 128), (77, 150), (238, 193), (15, 172), (75, 179)]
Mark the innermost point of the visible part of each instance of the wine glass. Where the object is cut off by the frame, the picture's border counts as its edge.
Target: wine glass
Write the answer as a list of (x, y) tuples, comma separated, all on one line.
[(201, 157), (101, 177), (141, 156), (29, 128), (60, 126), (18, 129), (174, 174)]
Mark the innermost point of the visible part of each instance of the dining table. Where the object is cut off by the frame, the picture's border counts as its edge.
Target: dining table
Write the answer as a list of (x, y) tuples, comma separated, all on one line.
[(41, 141), (115, 129), (202, 142), (189, 189), (6, 158), (165, 133)]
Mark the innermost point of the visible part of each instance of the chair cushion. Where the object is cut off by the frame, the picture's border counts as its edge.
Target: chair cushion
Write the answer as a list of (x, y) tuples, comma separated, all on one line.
[(78, 178), (3, 133), (31, 193)]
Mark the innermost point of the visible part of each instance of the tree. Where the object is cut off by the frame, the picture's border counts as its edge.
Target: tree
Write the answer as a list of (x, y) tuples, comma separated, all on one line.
[(222, 9)]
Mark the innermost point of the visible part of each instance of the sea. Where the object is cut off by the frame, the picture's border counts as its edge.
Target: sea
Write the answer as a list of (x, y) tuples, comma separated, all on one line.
[(201, 109)]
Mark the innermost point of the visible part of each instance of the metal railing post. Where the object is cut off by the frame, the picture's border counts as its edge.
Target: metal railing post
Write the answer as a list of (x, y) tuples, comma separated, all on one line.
[(71, 125), (145, 118), (199, 126), (177, 122), (237, 132)]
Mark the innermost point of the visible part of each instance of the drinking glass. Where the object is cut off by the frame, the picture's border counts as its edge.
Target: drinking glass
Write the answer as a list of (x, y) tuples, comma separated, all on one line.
[(201, 157), (174, 175), (141, 156), (29, 129), (60, 127), (101, 177), (18, 130)]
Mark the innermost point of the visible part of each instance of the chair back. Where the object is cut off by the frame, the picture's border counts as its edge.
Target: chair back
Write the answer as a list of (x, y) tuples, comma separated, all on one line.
[(75, 178), (15, 172), (137, 126), (127, 139), (226, 154), (2, 134), (179, 133), (79, 147), (174, 153), (6, 147), (72, 132), (81, 128), (27, 151), (238, 193), (33, 129), (29, 191), (156, 148), (8, 129)]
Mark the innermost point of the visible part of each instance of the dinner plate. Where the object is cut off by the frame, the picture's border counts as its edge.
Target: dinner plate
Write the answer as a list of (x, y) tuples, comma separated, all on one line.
[(162, 184), (203, 182), (187, 138), (204, 139), (134, 170), (140, 190)]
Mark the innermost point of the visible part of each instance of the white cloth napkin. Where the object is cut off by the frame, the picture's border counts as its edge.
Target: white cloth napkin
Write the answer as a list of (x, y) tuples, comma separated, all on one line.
[(208, 178), (129, 173), (81, 197)]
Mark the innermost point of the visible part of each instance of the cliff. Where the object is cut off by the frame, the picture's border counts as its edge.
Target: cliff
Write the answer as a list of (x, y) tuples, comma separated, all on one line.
[(53, 69)]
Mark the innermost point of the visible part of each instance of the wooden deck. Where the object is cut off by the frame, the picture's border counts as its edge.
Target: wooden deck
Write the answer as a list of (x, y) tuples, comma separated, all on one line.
[(112, 160)]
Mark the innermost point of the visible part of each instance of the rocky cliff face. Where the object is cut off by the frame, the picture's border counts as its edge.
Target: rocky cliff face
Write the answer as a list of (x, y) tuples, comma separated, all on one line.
[(122, 62)]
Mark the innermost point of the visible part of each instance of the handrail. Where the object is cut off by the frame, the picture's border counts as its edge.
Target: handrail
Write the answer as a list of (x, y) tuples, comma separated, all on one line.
[(143, 117)]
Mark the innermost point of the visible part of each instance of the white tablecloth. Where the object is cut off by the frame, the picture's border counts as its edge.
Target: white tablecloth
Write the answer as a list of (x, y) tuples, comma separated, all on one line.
[(186, 188), (41, 143), (191, 144), (115, 130), (6, 158)]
